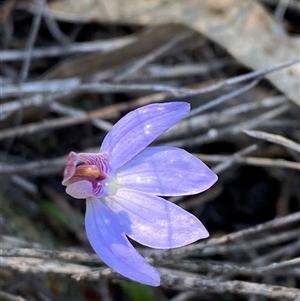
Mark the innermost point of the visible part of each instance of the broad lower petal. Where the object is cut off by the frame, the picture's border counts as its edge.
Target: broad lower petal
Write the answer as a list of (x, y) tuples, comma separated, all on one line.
[(112, 246), (166, 171), (155, 222), (80, 189), (139, 128)]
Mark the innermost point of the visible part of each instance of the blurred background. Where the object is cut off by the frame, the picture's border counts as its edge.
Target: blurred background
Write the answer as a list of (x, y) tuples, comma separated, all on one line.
[(71, 69)]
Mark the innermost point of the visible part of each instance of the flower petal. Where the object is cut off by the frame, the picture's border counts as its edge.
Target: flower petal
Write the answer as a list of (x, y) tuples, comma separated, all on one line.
[(155, 222), (112, 246), (69, 171), (80, 189), (166, 171), (98, 159), (139, 128), (101, 160)]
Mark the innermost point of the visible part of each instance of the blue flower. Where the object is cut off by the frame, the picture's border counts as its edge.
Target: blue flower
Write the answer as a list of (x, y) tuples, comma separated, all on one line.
[(122, 185)]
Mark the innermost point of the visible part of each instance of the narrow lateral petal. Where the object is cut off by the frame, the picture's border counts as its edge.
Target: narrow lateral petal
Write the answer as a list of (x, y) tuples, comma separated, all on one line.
[(166, 171), (139, 128), (155, 222), (112, 246)]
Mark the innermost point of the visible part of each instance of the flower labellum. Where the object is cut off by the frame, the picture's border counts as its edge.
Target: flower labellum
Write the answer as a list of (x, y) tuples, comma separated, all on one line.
[(123, 185)]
